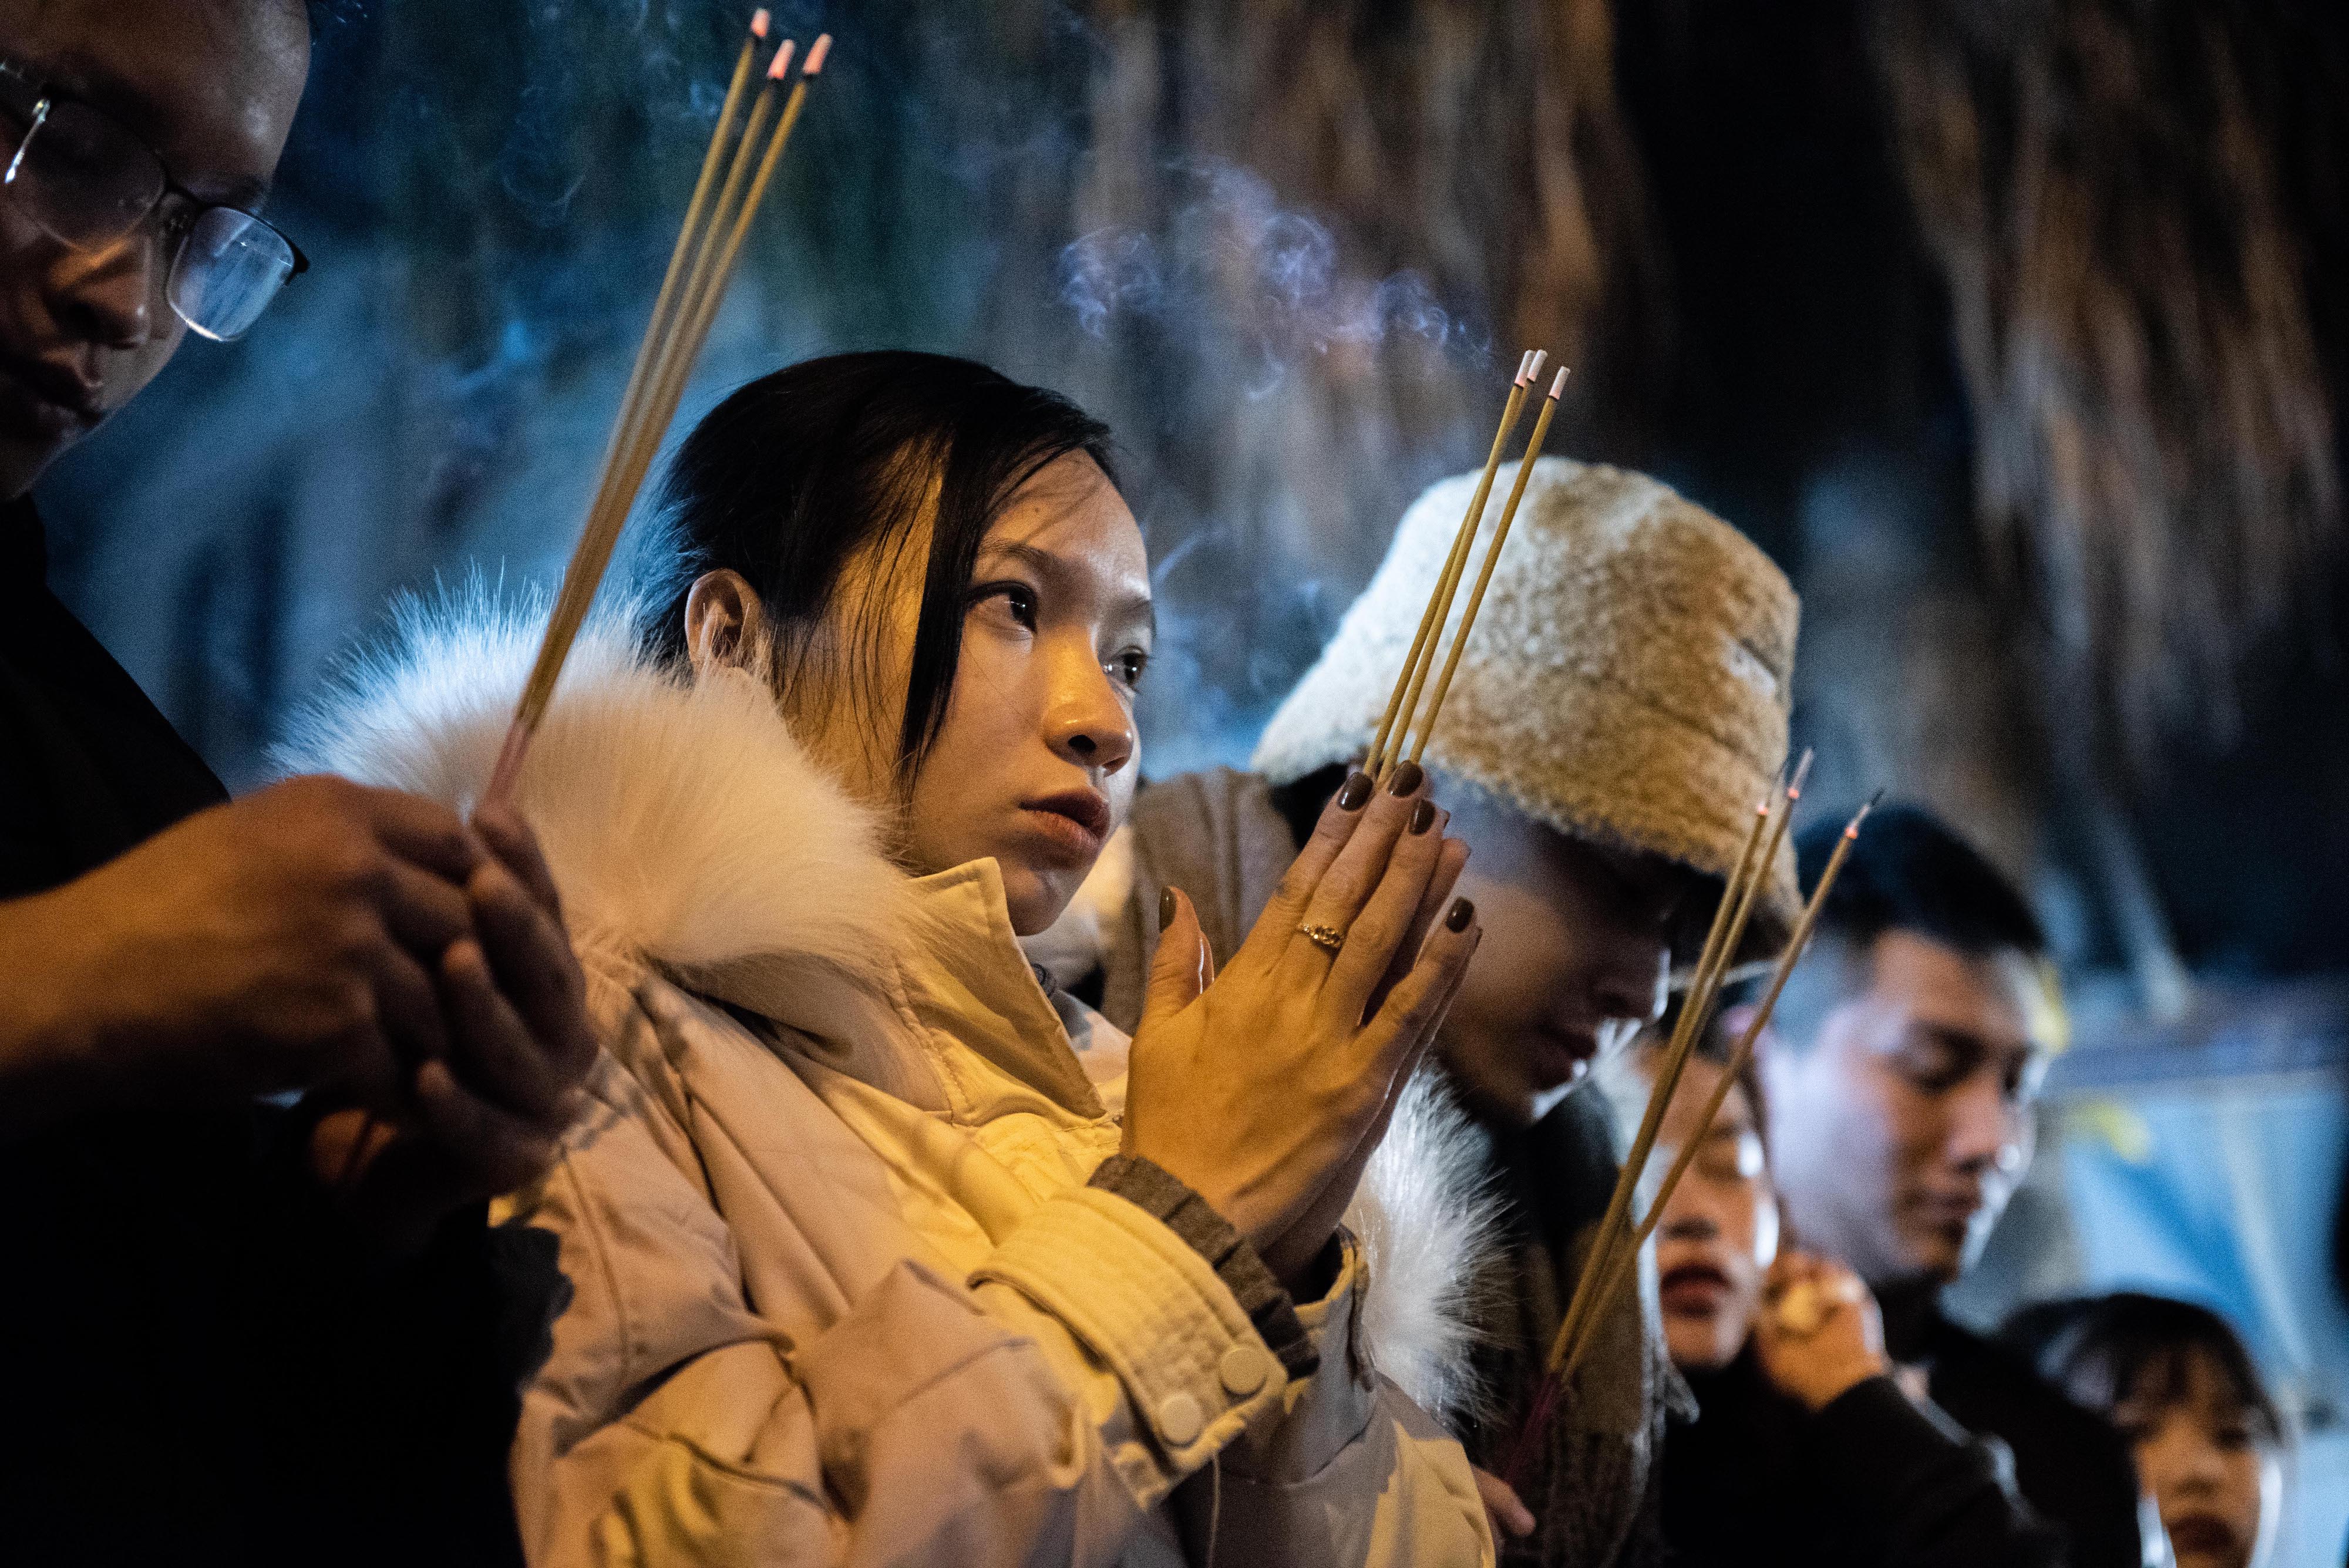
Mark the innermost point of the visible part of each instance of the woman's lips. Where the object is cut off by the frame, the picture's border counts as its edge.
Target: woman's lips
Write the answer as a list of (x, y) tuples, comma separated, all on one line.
[(1693, 1290), (2202, 1535), (1072, 825)]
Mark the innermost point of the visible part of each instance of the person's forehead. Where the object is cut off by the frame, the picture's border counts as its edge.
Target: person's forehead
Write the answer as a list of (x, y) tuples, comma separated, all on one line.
[(2189, 1381), (1576, 876), (1071, 512), (211, 85), (1699, 1080), (1996, 997)]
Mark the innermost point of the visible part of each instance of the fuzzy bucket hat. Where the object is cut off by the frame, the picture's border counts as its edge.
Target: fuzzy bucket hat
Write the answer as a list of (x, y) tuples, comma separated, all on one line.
[(1628, 682)]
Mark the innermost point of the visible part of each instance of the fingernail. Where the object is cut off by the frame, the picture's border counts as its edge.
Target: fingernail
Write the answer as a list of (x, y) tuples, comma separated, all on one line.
[(1166, 908), (1461, 913), (1423, 817), (1355, 791), (1406, 780)]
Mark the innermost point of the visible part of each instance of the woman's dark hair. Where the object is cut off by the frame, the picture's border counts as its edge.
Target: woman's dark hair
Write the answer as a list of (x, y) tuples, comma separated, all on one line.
[(798, 474), (2106, 1350)]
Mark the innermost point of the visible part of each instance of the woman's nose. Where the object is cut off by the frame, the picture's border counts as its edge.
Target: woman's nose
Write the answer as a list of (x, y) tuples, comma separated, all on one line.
[(1091, 726)]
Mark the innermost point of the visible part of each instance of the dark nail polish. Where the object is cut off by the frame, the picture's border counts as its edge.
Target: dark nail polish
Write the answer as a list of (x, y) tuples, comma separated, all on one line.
[(1166, 908), (1355, 791), (1462, 913), (1407, 779), (1423, 817)]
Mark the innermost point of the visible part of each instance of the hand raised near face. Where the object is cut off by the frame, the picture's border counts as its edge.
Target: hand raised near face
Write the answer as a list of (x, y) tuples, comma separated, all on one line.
[(1819, 1332), (1265, 1088)]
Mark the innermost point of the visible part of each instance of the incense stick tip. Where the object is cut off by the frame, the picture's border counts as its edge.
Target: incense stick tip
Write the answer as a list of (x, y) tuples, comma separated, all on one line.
[(817, 52), (1534, 365), (782, 60), (1802, 775), (1524, 368), (758, 23), (1557, 388)]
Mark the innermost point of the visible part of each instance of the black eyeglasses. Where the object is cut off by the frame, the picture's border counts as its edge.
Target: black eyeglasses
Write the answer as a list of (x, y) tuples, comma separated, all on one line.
[(86, 181)]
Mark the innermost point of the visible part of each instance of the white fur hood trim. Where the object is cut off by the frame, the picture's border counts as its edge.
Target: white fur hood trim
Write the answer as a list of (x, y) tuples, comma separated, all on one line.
[(1429, 1230), (683, 822)]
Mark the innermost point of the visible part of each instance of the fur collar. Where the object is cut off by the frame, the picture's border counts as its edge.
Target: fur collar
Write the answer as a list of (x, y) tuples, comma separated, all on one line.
[(688, 831), (685, 825)]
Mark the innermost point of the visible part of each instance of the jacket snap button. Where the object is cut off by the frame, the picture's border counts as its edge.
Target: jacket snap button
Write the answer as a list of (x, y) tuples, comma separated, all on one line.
[(1244, 1369), (1180, 1419)]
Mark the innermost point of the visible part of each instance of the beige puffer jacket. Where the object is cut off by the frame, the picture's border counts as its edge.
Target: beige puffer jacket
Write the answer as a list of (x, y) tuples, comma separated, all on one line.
[(837, 1290)]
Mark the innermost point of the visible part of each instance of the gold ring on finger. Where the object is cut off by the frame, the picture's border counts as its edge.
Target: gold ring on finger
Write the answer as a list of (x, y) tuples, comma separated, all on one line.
[(1328, 938)]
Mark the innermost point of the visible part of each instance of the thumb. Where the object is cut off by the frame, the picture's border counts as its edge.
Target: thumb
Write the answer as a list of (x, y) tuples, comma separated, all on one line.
[(1183, 965)]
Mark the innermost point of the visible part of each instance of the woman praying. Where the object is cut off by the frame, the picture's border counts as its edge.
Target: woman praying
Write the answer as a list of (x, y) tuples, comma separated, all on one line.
[(875, 1248)]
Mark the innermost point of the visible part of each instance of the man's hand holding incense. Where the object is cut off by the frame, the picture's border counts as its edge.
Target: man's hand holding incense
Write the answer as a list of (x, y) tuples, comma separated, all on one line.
[(274, 943), (1265, 1088), (489, 1114)]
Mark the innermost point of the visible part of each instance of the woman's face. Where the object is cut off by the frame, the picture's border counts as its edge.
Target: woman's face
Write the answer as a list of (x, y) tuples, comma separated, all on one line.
[(2215, 1484), (1036, 763), (1720, 1229)]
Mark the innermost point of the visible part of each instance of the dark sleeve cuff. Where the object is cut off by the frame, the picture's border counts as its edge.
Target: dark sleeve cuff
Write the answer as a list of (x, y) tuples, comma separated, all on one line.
[(1919, 1485), (1151, 1189)]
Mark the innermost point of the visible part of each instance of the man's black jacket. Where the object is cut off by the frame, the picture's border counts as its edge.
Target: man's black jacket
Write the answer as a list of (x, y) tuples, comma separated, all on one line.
[(1870, 1482), (193, 1368), (2070, 1464)]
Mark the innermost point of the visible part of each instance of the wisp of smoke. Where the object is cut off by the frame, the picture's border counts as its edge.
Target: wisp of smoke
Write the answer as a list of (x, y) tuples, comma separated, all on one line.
[(1272, 272)]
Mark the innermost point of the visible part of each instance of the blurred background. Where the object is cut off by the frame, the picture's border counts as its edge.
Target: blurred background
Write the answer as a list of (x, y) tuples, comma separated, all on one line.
[(2015, 330)]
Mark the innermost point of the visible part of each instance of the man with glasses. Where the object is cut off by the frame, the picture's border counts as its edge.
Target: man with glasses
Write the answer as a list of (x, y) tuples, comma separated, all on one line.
[(232, 1333)]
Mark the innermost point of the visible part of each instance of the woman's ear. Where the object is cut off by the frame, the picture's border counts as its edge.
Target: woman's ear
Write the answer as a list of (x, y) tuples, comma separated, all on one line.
[(725, 623)]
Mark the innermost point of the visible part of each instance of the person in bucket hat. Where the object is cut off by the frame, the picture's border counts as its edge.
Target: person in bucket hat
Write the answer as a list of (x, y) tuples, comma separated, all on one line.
[(1621, 709)]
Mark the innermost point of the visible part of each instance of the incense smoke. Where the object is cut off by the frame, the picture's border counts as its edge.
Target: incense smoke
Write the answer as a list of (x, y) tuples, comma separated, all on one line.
[(1234, 253)]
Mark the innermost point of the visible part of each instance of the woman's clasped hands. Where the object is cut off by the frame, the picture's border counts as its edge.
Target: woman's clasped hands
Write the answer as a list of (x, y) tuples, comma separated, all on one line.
[(1265, 1087)]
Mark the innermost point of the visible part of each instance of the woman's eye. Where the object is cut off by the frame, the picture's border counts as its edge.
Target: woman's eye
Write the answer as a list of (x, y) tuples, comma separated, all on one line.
[(1017, 601), (1128, 666)]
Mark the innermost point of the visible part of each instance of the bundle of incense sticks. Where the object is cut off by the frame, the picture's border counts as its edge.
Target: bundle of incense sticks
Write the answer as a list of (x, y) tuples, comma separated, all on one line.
[(717, 222), (1402, 708), (1617, 1249)]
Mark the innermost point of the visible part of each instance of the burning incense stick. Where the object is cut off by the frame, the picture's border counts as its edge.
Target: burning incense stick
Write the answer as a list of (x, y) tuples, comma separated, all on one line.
[(1447, 582), (1718, 941), (708, 245), (665, 305), (710, 292), (1492, 559), (1730, 917), (1619, 1267)]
